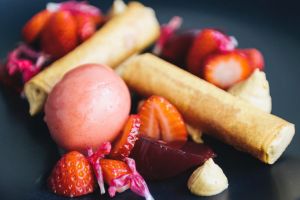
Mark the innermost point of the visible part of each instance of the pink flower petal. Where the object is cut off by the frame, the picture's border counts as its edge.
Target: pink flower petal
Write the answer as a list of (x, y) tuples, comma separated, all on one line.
[(75, 7), (166, 31), (134, 180), (25, 61)]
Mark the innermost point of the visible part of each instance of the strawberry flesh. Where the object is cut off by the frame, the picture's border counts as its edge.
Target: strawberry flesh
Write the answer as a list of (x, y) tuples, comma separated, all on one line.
[(255, 58), (33, 28), (113, 169), (226, 69), (207, 42), (161, 120), (59, 35), (86, 26), (125, 142)]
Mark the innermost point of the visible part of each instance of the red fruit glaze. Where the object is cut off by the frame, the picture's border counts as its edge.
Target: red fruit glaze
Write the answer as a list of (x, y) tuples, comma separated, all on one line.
[(32, 29), (208, 41), (72, 176), (126, 140), (226, 69), (161, 120), (255, 58), (159, 160), (59, 35)]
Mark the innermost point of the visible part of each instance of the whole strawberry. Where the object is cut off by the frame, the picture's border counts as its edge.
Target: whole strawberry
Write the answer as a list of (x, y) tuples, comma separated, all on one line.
[(72, 176)]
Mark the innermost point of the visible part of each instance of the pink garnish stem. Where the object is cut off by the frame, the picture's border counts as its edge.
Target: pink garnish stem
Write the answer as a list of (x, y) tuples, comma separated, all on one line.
[(134, 179), (100, 176), (94, 159), (166, 31)]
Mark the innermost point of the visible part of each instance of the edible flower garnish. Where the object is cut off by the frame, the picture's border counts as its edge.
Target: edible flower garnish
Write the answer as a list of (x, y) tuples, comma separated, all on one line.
[(134, 179), (94, 159), (166, 31)]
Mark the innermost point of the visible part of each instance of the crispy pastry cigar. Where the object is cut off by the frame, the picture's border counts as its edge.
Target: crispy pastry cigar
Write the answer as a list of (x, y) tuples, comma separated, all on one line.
[(121, 37), (215, 111)]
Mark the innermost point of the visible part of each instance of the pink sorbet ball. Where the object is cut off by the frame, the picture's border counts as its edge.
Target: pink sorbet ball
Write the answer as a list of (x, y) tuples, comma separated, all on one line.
[(87, 107)]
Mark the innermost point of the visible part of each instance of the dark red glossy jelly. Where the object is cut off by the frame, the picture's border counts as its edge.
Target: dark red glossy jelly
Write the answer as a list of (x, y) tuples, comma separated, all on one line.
[(157, 160)]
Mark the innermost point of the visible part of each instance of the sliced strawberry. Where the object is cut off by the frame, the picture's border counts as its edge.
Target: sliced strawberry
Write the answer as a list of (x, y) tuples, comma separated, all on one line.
[(161, 120), (72, 176), (207, 42), (86, 26), (121, 175), (126, 141), (255, 58), (59, 36), (32, 29), (113, 169), (226, 69), (83, 7)]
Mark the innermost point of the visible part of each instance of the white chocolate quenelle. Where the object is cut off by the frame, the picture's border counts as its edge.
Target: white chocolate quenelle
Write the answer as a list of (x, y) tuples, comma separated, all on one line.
[(207, 180), (254, 90)]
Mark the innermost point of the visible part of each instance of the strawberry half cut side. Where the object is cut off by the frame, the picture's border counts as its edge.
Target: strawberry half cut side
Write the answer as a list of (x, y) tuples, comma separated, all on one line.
[(161, 120), (226, 69), (122, 147)]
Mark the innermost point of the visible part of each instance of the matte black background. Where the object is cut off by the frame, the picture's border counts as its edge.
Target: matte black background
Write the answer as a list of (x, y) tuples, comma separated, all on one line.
[(27, 152)]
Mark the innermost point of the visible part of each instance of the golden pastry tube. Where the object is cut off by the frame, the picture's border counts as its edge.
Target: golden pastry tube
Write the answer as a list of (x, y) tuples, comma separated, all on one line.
[(122, 36), (215, 111)]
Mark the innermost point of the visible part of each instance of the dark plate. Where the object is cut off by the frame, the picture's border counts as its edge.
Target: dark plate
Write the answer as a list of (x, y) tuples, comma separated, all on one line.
[(28, 153)]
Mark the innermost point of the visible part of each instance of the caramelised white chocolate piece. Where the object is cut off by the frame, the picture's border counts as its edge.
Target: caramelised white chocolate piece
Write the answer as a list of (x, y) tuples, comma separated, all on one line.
[(208, 179), (124, 35), (215, 111), (194, 133), (254, 90)]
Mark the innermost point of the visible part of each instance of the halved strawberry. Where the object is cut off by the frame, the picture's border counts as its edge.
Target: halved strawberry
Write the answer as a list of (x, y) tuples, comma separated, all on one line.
[(82, 7), (32, 29), (161, 120), (226, 69), (207, 42), (127, 138), (86, 26), (113, 169), (59, 36), (121, 175), (72, 176), (255, 58)]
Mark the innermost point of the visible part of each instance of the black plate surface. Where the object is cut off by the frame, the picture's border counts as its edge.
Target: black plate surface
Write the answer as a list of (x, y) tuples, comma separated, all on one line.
[(28, 153)]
